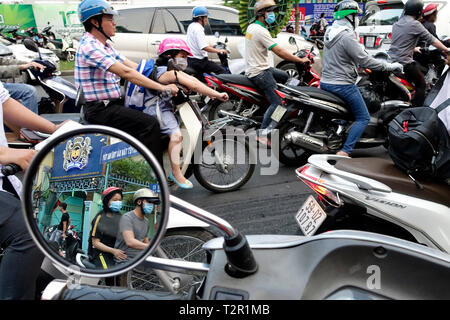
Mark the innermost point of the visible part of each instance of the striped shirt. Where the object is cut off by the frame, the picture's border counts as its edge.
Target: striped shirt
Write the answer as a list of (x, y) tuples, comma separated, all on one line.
[(92, 61)]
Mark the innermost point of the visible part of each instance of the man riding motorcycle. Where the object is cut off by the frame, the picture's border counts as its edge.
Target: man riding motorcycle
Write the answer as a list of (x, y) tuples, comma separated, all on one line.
[(341, 55), (98, 69), (259, 42), (407, 32)]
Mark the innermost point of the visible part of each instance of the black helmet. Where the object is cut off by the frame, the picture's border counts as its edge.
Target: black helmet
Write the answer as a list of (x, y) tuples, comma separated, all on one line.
[(414, 8)]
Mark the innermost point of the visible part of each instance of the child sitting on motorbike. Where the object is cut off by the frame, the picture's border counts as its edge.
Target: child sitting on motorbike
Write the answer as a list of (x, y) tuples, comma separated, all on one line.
[(172, 53)]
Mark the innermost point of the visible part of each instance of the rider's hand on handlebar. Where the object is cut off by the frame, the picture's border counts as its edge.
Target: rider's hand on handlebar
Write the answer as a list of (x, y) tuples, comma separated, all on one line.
[(223, 96), (417, 49), (33, 65), (223, 51), (172, 88), (305, 60)]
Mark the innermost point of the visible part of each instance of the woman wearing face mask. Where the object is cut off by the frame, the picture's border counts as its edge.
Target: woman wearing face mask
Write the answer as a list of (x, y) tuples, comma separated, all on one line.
[(176, 51), (105, 226)]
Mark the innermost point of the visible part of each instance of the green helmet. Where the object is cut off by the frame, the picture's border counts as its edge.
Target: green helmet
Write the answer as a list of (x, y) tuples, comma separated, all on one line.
[(345, 8)]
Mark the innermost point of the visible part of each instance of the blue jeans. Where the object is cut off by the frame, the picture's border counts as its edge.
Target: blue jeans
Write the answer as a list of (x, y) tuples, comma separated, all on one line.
[(25, 93), (350, 94), (267, 82)]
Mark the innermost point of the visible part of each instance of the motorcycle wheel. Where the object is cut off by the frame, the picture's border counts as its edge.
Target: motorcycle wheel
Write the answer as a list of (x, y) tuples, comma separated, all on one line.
[(234, 174), (70, 57), (290, 154), (180, 244), (216, 105)]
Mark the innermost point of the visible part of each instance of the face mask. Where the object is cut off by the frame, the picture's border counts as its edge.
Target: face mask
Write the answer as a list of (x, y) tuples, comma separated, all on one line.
[(270, 17), (181, 63), (115, 206), (148, 208)]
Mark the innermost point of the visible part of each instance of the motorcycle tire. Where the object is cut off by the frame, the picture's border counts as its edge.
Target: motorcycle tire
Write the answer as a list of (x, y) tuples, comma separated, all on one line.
[(181, 244), (290, 69), (217, 105), (217, 179), (289, 154), (70, 57)]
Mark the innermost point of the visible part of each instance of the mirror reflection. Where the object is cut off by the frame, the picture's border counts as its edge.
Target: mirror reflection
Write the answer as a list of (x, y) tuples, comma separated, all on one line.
[(96, 202)]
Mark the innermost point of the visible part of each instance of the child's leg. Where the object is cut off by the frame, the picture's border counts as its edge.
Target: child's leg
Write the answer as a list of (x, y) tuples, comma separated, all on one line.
[(175, 146)]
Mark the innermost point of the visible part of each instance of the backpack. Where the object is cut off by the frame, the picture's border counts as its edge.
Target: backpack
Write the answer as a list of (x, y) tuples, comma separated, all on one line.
[(419, 143), (136, 96)]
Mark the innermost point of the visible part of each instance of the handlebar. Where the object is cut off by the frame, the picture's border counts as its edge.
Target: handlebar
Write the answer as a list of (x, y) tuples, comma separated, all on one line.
[(10, 169)]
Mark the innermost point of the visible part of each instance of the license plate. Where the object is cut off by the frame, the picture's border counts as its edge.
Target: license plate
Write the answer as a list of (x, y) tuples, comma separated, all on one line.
[(370, 42), (310, 216), (278, 113), (293, 82)]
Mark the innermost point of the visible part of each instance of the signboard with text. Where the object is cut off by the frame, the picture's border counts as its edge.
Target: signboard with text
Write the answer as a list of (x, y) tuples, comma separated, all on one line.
[(310, 12)]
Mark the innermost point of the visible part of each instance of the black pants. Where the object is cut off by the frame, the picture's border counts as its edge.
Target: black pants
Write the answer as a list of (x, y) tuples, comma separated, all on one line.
[(21, 262), (140, 125), (202, 66), (414, 74)]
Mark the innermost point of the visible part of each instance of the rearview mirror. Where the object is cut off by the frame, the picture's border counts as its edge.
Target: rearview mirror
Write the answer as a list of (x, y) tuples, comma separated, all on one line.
[(30, 45), (76, 168), (216, 34), (292, 41)]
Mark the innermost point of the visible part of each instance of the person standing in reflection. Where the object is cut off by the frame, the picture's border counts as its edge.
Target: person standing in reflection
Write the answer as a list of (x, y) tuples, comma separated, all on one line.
[(105, 226), (61, 232), (134, 226)]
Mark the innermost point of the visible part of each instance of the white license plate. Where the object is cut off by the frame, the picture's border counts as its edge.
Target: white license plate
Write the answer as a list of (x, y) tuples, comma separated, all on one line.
[(310, 216), (370, 42), (278, 113)]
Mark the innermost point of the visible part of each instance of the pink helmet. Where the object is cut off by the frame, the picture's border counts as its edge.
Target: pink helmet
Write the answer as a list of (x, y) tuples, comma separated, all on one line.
[(429, 9), (173, 44)]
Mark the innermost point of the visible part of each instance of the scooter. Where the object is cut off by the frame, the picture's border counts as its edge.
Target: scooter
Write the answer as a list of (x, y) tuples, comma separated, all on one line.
[(61, 92), (371, 194), (353, 264)]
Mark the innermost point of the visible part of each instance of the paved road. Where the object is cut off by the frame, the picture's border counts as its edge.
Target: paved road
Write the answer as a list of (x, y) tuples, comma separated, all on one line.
[(265, 205)]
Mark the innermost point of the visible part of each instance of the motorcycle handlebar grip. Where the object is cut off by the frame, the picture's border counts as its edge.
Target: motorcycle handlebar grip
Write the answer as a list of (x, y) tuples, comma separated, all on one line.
[(10, 169), (88, 292)]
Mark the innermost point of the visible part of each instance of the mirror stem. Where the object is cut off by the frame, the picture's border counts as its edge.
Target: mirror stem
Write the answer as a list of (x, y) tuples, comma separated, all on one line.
[(241, 262)]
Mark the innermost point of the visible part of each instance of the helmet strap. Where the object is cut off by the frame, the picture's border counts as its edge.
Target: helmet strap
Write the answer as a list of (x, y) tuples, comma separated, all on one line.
[(352, 21), (100, 28)]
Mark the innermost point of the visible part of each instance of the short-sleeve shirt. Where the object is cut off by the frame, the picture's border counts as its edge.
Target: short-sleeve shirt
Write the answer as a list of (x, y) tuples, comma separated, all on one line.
[(258, 43), (105, 229), (140, 227), (64, 218), (407, 32), (196, 40), (4, 96), (92, 61)]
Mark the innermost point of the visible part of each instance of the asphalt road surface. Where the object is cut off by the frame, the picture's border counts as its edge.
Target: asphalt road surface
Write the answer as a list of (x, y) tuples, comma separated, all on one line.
[(267, 204)]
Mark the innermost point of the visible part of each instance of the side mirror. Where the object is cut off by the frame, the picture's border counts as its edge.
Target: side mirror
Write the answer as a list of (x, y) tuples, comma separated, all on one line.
[(216, 34), (30, 45), (76, 167), (292, 41)]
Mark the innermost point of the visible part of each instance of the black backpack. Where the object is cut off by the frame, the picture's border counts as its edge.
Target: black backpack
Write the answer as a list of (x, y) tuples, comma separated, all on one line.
[(419, 143)]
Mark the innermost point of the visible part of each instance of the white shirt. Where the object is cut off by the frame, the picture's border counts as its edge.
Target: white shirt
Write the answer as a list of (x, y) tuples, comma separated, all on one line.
[(4, 95), (196, 40), (258, 44)]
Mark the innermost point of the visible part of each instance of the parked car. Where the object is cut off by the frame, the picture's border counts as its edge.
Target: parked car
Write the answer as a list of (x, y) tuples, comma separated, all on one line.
[(140, 30), (23, 54), (375, 28)]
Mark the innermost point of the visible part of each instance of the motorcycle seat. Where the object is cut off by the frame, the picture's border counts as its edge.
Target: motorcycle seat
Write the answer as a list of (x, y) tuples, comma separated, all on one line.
[(320, 94), (384, 171), (236, 78)]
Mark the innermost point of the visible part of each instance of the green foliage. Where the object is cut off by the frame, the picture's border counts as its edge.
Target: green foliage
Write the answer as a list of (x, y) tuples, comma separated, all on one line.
[(134, 169)]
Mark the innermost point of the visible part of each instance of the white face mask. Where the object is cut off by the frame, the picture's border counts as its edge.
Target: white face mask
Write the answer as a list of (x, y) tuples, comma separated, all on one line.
[(181, 63)]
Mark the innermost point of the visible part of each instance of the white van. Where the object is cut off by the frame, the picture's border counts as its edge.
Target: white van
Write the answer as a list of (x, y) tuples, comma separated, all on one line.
[(375, 28)]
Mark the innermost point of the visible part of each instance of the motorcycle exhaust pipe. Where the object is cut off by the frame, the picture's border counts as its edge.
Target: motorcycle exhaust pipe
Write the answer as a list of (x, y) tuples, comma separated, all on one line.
[(306, 141)]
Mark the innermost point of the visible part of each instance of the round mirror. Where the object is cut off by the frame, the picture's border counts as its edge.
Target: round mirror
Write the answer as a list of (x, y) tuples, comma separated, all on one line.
[(292, 41), (96, 201)]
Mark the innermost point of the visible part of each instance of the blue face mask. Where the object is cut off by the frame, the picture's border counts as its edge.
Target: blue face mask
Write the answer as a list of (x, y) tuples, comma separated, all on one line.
[(148, 208), (270, 17), (115, 206)]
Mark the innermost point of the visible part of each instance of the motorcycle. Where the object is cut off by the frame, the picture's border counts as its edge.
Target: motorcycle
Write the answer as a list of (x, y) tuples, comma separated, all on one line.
[(241, 267), (245, 99), (317, 42), (62, 93), (65, 49), (371, 194)]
